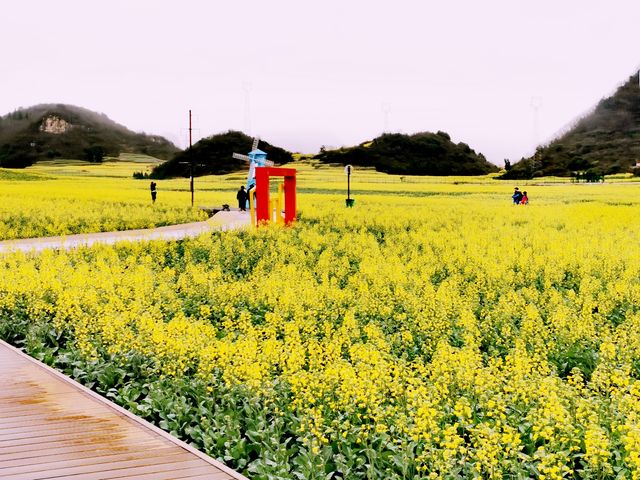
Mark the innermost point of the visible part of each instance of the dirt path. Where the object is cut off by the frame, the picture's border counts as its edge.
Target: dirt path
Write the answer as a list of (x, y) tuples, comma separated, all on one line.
[(221, 221)]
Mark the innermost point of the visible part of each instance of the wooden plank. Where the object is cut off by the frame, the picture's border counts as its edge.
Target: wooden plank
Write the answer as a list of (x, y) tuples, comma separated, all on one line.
[(76, 439), (196, 473), (69, 431), (93, 461), (29, 424), (95, 472), (95, 441), (52, 427), (175, 470), (80, 411), (6, 459), (196, 476), (17, 397)]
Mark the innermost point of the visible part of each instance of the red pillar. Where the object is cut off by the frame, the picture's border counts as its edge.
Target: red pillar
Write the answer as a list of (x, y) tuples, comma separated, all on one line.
[(262, 194), (263, 174), (289, 199)]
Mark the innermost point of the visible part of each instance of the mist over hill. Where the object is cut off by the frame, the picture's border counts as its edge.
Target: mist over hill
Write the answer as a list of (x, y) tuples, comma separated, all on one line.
[(605, 142), (214, 155), (50, 131), (422, 153)]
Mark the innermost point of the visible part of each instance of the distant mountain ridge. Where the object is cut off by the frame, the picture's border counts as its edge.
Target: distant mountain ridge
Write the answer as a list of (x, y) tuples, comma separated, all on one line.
[(423, 153), (213, 155), (604, 142), (55, 130)]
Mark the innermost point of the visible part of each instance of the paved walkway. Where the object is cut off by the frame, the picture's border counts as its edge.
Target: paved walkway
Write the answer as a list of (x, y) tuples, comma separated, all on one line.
[(53, 427), (220, 221)]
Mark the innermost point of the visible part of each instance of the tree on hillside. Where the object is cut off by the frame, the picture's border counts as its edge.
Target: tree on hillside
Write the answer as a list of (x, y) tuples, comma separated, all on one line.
[(214, 155), (606, 141), (423, 153), (57, 130), (16, 156), (94, 154)]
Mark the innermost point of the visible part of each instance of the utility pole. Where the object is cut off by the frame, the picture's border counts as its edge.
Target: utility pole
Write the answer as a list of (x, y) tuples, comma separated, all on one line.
[(190, 160)]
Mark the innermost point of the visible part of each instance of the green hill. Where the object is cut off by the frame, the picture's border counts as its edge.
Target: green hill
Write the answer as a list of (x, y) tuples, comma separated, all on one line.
[(65, 131), (606, 141), (419, 154), (213, 155)]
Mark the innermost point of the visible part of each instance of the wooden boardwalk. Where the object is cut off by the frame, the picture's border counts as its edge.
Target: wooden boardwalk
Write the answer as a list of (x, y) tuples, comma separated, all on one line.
[(53, 427)]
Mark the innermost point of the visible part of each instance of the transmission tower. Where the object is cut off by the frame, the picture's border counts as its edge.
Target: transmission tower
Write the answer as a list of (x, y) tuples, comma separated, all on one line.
[(246, 86), (386, 110), (536, 103)]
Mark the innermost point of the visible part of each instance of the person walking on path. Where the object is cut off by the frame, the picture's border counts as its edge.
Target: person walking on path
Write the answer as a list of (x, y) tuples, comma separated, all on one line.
[(242, 199), (154, 192)]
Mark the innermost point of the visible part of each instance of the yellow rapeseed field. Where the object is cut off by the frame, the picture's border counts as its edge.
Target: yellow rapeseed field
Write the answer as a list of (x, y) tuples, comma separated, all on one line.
[(433, 331), (79, 197)]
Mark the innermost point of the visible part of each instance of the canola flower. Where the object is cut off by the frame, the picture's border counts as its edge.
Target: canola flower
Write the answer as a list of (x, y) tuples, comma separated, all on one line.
[(37, 204), (439, 334)]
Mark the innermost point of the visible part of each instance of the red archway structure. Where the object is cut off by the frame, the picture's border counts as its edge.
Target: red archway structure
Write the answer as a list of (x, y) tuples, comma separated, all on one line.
[(263, 205)]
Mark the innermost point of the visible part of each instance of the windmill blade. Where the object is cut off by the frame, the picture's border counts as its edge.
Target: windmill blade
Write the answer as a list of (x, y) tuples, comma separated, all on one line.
[(263, 162), (255, 143), (240, 156)]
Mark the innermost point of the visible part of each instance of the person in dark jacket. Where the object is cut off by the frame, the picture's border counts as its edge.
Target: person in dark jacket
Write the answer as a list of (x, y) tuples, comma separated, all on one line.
[(154, 192), (242, 199), (517, 196)]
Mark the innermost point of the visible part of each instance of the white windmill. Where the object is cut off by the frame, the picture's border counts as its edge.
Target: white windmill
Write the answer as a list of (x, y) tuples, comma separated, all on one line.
[(256, 158)]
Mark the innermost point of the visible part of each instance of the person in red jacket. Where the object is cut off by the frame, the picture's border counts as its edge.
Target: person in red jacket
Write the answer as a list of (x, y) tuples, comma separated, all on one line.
[(525, 199)]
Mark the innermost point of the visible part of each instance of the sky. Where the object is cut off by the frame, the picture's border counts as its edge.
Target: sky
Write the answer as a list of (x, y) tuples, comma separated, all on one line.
[(502, 76)]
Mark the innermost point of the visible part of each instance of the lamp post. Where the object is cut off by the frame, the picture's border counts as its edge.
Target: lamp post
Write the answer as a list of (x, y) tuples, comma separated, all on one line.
[(349, 201), (190, 163)]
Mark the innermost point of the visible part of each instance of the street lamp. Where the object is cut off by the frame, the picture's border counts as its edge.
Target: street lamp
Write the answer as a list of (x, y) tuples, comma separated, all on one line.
[(349, 201)]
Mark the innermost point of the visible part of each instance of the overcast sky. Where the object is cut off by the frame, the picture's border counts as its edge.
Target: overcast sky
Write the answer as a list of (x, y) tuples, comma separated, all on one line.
[(334, 72)]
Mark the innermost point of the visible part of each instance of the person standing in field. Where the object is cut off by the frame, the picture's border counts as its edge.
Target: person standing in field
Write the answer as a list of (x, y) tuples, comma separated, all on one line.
[(525, 199), (242, 199), (517, 196), (154, 192)]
